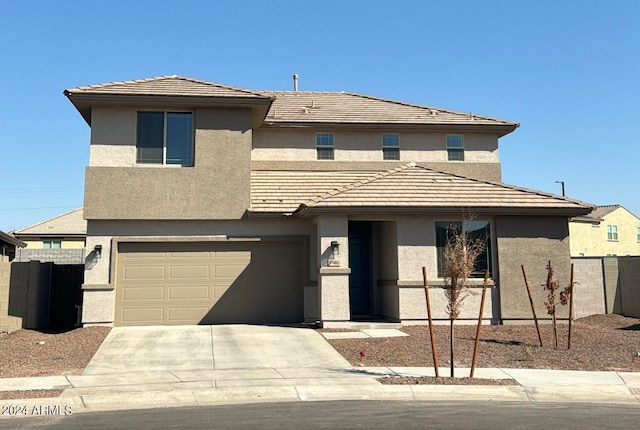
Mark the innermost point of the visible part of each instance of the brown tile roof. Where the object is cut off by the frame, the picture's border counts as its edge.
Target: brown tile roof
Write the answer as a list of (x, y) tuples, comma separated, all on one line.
[(409, 187), (67, 224), (167, 86), (344, 107), (4, 237)]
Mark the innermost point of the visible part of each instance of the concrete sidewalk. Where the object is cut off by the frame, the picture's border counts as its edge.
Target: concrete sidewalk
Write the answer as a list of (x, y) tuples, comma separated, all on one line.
[(161, 388), (151, 367)]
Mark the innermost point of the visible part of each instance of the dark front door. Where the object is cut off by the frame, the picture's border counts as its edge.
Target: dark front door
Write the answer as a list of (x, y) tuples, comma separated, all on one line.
[(360, 264)]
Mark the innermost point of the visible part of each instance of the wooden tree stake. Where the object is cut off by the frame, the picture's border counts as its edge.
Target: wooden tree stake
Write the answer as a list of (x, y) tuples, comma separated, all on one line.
[(533, 309), (570, 308), (475, 347), (431, 335)]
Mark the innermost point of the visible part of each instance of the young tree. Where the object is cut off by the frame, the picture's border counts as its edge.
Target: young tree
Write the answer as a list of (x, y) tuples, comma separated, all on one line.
[(460, 255)]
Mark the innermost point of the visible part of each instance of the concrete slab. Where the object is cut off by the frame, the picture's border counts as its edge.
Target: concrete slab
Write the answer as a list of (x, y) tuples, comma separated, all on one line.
[(355, 392), (545, 377), (36, 383), (246, 347), (384, 332), (582, 393), (230, 395), (469, 392), (148, 399), (630, 378), (324, 372), (345, 335), (131, 389), (231, 374), (295, 382), (154, 348), (128, 378)]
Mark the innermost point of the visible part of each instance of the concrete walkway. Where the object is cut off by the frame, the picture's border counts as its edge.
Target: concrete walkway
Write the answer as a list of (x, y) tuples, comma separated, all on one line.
[(180, 366)]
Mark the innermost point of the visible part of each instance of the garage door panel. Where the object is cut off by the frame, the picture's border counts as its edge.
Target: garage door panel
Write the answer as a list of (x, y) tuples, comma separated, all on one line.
[(189, 272), (144, 293), (141, 315), (205, 283), (189, 292), (144, 272), (186, 314)]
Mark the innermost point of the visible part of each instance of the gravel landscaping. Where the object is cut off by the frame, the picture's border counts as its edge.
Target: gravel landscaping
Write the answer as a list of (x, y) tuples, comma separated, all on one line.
[(599, 342)]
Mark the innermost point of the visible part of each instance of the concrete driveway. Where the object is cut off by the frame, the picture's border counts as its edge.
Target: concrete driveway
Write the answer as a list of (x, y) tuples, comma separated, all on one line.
[(217, 347)]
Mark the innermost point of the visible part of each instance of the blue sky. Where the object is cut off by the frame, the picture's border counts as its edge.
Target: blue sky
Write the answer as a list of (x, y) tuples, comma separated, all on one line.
[(567, 71)]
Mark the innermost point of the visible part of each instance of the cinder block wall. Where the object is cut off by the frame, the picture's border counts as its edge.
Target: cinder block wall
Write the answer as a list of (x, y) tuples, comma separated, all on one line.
[(7, 322), (589, 293)]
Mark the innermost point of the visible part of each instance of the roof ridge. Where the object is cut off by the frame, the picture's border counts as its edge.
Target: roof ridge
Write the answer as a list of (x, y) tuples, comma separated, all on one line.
[(431, 108), (164, 77), (49, 219)]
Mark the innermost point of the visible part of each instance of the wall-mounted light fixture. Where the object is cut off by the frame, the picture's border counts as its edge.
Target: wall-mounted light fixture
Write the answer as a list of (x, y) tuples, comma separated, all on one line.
[(335, 248), (97, 251)]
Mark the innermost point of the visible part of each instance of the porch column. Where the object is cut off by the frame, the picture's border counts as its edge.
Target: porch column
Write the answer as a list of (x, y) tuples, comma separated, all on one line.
[(333, 274)]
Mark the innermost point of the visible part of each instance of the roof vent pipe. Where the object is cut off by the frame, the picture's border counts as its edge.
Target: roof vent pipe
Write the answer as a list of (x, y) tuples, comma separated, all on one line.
[(295, 82)]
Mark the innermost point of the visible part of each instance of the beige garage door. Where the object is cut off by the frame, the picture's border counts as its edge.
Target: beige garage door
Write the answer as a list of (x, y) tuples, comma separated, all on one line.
[(206, 283)]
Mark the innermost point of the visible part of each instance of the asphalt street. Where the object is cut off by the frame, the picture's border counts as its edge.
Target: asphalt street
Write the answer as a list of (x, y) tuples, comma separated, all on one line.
[(370, 415)]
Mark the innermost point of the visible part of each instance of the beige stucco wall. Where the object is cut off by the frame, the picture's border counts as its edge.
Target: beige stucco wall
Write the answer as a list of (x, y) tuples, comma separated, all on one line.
[(413, 305), (532, 242), (216, 187), (67, 243), (366, 145), (590, 240)]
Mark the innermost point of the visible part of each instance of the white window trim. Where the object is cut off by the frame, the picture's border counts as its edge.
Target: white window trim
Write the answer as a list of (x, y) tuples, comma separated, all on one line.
[(612, 230)]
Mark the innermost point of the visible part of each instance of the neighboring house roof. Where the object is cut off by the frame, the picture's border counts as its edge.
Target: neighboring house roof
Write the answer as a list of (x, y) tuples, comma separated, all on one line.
[(598, 214), (285, 107), (4, 237), (67, 224), (408, 187), (350, 108)]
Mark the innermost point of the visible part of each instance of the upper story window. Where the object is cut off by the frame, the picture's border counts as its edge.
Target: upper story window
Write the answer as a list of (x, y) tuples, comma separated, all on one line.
[(390, 146), (52, 243), (455, 148), (475, 230), (165, 138), (324, 146), (638, 233), (612, 232)]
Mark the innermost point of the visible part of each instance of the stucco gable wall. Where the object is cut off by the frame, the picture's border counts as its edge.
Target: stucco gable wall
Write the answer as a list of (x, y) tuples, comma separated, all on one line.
[(591, 240)]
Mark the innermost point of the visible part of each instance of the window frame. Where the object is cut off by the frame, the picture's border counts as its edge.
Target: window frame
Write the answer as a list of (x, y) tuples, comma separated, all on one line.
[(49, 243), (612, 233), (638, 234), (164, 163), (488, 252), (452, 148), (391, 149), (325, 148)]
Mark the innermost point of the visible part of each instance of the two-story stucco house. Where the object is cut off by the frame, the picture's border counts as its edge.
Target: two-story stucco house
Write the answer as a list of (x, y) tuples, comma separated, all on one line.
[(609, 230), (208, 203)]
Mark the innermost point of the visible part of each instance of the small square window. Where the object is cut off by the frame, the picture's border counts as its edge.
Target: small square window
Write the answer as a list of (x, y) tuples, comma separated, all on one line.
[(638, 233), (612, 232), (52, 244), (390, 147), (324, 146), (455, 148)]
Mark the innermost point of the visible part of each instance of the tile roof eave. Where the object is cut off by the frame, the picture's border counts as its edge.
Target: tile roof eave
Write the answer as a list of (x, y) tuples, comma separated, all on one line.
[(4, 237), (304, 211), (502, 129)]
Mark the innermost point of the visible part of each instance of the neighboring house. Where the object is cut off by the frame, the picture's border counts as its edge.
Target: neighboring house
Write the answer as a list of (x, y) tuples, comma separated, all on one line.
[(8, 245), (207, 203), (65, 231), (60, 239), (607, 231)]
